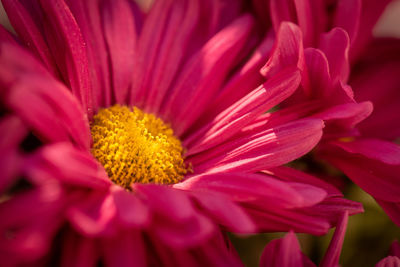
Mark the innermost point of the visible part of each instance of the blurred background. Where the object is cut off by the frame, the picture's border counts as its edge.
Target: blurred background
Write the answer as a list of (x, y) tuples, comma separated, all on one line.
[(369, 235)]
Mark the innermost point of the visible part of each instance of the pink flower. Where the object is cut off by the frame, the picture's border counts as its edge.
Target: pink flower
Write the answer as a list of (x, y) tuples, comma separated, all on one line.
[(286, 251), (393, 260), (199, 77), (360, 145)]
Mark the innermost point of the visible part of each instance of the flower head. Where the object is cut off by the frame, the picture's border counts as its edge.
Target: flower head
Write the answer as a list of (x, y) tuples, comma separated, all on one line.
[(153, 133)]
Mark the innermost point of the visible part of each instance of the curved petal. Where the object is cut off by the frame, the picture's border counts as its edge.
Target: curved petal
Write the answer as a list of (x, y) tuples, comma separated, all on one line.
[(374, 176), (204, 74), (120, 33), (230, 121), (27, 18), (36, 100), (69, 50), (335, 44), (266, 149), (331, 258), (284, 252)]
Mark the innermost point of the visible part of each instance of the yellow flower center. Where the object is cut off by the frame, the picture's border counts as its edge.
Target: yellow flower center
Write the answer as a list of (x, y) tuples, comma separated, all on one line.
[(136, 147)]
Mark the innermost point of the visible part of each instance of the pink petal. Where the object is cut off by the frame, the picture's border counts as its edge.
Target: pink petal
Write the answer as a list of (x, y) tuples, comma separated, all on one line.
[(383, 151), (225, 212), (371, 10), (305, 19), (242, 83), (130, 209), (68, 48), (367, 77), (284, 252), (267, 149), (281, 220), (375, 177), (288, 52), (347, 16), (178, 37), (78, 251), (281, 11), (335, 44), (293, 175), (390, 261), (125, 250), (395, 248), (121, 38), (32, 218), (204, 74), (7, 37), (256, 188), (345, 115), (70, 166), (88, 17), (94, 215), (318, 71), (184, 233), (26, 19), (13, 131), (331, 258), (36, 100), (231, 120), (179, 207)]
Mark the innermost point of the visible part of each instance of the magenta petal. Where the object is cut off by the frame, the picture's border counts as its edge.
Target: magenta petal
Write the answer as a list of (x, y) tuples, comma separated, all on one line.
[(241, 113), (379, 69), (288, 52), (306, 20), (331, 258), (130, 209), (345, 115), (225, 212), (284, 252), (36, 100), (179, 35), (335, 44), (281, 10), (78, 251), (185, 233), (204, 74), (167, 201), (256, 187), (25, 18), (13, 131), (347, 16), (87, 15), (371, 10), (389, 261), (318, 71), (267, 149), (121, 37), (395, 248), (377, 149), (244, 80), (125, 250), (69, 50), (293, 175), (70, 166), (94, 216), (374, 176)]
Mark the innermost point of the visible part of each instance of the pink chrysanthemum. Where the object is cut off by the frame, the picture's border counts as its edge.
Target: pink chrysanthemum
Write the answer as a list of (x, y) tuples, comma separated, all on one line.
[(153, 134), (361, 126), (286, 251)]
